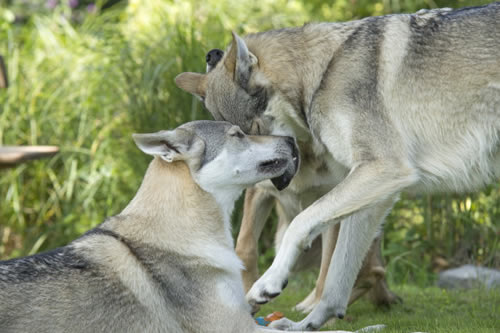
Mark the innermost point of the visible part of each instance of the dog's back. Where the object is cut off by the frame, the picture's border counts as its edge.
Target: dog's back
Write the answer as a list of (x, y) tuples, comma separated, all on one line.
[(423, 85), (73, 289), (446, 100), (103, 282)]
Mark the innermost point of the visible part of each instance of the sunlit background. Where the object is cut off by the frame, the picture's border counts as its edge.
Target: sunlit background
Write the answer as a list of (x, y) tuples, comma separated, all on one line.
[(85, 75)]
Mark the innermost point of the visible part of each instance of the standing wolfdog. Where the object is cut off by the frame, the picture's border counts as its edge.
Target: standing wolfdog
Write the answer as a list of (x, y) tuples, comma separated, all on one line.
[(310, 183), (406, 102)]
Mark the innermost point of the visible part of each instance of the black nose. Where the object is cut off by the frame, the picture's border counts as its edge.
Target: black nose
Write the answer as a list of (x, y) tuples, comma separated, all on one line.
[(214, 56)]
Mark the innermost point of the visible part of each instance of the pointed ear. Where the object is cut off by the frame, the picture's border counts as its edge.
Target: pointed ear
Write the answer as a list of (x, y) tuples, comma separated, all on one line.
[(193, 83), (239, 61), (175, 145)]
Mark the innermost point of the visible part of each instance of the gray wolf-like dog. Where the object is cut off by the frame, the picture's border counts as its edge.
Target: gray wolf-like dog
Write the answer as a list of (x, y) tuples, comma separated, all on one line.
[(259, 201), (166, 263), (407, 102)]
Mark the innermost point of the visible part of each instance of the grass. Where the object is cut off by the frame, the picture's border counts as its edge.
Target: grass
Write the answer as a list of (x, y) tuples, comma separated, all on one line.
[(88, 87), (427, 309)]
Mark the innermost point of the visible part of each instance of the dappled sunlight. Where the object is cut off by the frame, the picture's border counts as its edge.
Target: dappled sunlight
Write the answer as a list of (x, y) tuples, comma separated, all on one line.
[(86, 82)]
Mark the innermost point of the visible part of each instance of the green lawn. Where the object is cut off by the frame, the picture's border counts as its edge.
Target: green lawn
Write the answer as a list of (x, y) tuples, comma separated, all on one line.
[(427, 309)]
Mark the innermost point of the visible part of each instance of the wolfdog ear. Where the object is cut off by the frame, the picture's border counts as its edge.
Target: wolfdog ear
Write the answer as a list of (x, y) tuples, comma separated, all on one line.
[(175, 145), (193, 83), (239, 61)]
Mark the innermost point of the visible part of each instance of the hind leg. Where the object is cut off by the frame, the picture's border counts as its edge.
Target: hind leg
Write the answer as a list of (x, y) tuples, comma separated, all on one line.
[(380, 294), (257, 207)]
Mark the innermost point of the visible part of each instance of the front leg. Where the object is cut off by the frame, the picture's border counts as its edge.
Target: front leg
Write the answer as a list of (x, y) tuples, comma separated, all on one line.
[(357, 233), (366, 185)]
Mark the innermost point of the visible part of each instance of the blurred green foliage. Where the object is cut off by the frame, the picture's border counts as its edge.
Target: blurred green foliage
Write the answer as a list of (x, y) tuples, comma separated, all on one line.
[(87, 85)]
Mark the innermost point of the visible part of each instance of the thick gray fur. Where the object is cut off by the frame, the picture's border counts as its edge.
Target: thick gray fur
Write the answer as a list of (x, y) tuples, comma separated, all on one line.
[(389, 104), (166, 263)]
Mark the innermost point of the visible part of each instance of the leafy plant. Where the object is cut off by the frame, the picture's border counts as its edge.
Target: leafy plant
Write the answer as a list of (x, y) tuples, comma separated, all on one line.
[(86, 85)]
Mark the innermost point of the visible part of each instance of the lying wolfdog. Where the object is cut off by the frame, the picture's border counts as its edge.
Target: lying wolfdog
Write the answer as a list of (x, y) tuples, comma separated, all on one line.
[(306, 187), (166, 263), (407, 102)]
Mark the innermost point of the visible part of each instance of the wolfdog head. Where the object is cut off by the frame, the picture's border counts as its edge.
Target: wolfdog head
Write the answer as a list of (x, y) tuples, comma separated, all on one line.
[(221, 155), (234, 88)]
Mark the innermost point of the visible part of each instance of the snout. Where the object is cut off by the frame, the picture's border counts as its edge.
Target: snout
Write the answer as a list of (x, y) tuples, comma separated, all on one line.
[(282, 160), (273, 165), (292, 165)]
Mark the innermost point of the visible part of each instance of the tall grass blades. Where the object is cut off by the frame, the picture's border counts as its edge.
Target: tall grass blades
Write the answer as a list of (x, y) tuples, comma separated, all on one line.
[(87, 82)]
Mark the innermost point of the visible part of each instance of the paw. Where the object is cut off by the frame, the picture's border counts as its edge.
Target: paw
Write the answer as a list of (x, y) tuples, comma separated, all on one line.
[(385, 299), (335, 308), (265, 289), (254, 309), (283, 324), (339, 313), (321, 314)]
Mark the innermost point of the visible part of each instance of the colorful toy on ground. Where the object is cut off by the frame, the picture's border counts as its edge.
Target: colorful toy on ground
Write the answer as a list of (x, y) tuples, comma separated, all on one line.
[(265, 321)]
